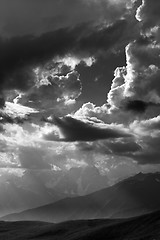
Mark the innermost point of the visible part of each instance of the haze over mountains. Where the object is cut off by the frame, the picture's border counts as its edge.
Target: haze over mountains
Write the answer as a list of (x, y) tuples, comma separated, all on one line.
[(134, 196), (29, 192)]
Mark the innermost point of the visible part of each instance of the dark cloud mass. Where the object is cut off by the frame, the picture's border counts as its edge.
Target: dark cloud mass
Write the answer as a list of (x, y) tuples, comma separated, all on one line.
[(76, 130), (120, 147), (137, 106), (19, 55)]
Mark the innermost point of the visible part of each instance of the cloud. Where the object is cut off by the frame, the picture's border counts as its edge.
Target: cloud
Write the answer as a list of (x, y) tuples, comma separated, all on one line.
[(18, 18), (136, 106), (148, 13), (134, 97), (123, 147), (21, 55), (137, 85), (149, 127), (15, 113), (72, 129), (50, 90), (112, 148), (148, 134), (139, 80), (40, 72), (32, 66), (150, 151), (23, 147)]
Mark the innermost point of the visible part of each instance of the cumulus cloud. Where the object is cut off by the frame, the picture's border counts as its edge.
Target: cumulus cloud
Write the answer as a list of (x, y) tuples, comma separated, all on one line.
[(124, 147), (148, 135), (90, 111), (139, 80), (137, 85), (149, 127)]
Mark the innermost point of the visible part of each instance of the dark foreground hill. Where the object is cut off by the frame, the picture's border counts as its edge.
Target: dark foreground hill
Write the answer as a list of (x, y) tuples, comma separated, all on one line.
[(146, 227), (134, 196)]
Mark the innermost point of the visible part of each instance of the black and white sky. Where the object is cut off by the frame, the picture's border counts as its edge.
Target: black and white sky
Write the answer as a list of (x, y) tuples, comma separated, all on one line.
[(79, 86)]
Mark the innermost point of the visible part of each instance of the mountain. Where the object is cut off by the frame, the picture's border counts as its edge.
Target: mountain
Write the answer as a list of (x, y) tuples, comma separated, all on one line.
[(37, 188), (134, 196), (145, 227), (26, 192)]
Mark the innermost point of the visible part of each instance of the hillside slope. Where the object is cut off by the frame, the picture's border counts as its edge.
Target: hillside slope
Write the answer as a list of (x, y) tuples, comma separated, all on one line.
[(146, 227)]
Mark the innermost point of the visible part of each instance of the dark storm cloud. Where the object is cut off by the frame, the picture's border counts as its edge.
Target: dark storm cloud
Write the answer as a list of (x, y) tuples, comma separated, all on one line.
[(138, 106), (20, 54), (115, 147), (123, 147), (76, 130), (144, 158)]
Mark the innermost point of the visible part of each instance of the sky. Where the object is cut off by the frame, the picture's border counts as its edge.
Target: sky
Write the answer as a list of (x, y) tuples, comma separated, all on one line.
[(79, 86)]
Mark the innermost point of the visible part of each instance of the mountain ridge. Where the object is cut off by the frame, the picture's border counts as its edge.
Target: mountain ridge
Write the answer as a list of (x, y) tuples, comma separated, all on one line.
[(134, 196)]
